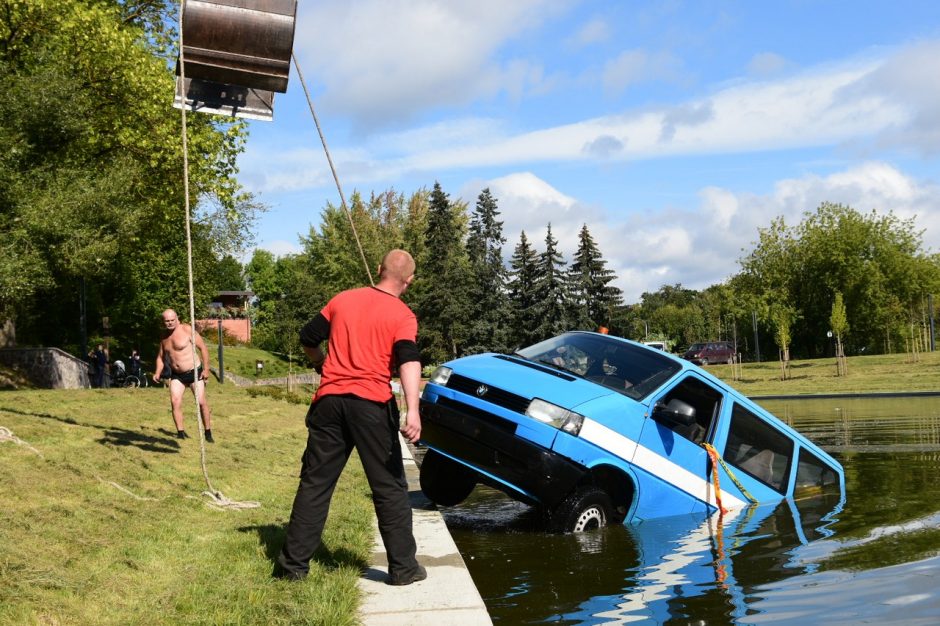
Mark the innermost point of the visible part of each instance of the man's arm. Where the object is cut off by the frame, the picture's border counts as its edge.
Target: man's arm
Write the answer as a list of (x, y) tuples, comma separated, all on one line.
[(158, 366), (311, 336), (410, 374), (204, 351)]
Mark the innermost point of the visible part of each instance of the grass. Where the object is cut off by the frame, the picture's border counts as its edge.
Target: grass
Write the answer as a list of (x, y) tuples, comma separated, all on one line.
[(866, 374), (242, 360), (105, 522)]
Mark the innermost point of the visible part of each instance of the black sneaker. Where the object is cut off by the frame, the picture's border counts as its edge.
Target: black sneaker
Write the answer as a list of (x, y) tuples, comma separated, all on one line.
[(399, 581), (209, 436), (181, 434)]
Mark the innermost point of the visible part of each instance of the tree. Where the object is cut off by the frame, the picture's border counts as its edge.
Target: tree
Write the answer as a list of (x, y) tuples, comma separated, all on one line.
[(783, 318), (593, 298), (839, 323), (875, 260), (490, 317), (551, 292), (90, 195), (443, 305), (522, 293)]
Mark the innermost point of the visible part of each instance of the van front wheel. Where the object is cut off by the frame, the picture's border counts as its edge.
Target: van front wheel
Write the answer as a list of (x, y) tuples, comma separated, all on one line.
[(444, 481), (587, 508)]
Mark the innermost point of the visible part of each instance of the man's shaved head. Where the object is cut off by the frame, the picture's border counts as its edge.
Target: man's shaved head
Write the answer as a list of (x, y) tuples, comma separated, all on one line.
[(398, 265)]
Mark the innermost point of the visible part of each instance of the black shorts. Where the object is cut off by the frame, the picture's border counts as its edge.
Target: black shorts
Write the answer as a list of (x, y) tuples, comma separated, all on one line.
[(187, 378)]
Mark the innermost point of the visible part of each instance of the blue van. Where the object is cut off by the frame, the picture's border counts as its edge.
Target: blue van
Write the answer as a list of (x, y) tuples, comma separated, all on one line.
[(594, 429)]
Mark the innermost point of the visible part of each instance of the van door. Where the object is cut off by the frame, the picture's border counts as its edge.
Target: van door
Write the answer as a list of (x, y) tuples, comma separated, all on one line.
[(680, 420)]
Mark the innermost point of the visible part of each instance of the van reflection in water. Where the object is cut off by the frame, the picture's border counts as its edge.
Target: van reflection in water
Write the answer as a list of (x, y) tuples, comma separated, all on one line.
[(662, 571)]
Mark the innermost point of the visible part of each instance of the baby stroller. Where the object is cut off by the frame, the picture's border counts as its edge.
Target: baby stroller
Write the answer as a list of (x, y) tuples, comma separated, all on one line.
[(120, 377)]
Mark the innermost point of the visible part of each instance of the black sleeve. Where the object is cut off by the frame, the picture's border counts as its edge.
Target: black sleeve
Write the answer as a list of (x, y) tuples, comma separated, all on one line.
[(315, 331), (406, 350)]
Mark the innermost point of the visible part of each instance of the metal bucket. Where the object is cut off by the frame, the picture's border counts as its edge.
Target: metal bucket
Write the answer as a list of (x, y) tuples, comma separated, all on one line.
[(236, 53)]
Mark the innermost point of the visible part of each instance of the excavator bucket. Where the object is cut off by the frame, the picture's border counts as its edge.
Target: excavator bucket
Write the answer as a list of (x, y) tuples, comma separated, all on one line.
[(236, 54)]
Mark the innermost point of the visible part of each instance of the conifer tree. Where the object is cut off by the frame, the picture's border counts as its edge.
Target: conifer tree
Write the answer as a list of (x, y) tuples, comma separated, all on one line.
[(489, 324), (593, 298), (443, 299), (522, 297), (551, 289)]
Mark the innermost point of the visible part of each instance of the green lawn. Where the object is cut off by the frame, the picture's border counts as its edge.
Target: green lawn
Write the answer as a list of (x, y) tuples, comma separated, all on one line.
[(866, 374), (242, 360), (105, 523)]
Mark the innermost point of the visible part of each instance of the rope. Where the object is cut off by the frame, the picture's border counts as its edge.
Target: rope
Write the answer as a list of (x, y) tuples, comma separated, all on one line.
[(716, 461), (713, 454), (219, 500), (7, 435), (329, 159)]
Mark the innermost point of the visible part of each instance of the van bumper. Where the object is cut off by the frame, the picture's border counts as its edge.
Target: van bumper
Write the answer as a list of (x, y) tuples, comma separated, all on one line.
[(489, 445)]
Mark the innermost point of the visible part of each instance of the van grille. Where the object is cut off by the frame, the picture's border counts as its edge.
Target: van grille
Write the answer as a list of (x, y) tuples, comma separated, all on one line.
[(495, 395)]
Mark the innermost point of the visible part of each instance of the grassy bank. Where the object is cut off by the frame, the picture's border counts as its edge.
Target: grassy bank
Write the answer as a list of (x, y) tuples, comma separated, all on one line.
[(103, 521), (866, 374)]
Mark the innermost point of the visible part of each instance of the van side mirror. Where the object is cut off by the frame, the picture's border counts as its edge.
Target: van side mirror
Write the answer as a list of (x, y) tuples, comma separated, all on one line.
[(674, 412)]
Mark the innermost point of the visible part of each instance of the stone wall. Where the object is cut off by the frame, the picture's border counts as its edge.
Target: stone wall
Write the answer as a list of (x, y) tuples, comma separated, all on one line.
[(50, 368)]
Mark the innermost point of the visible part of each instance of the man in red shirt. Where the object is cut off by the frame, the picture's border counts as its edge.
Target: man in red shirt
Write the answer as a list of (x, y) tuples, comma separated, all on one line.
[(370, 330)]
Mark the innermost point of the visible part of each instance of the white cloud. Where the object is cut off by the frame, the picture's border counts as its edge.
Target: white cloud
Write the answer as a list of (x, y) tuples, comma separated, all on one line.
[(767, 63), (594, 31), (635, 66), (383, 60), (895, 101), (701, 245)]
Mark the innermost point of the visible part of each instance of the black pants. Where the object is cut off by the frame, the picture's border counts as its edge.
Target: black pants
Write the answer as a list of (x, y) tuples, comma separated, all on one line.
[(335, 425)]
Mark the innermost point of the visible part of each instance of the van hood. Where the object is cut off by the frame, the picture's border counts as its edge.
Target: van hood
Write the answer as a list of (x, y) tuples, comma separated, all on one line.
[(529, 379)]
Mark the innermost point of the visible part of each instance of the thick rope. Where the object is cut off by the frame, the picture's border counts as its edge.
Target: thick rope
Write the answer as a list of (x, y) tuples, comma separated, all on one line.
[(716, 461), (7, 435), (218, 500), (329, 159)]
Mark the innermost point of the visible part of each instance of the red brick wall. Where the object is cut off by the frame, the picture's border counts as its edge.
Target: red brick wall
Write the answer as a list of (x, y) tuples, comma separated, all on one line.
[(240, 329)]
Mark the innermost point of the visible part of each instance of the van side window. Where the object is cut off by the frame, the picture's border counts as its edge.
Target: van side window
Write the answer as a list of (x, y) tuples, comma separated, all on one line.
[(813, 477), (759, 449), (705, 402)]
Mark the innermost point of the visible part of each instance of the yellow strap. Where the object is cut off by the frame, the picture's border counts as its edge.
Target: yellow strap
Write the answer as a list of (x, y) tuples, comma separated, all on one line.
[(713, 453)]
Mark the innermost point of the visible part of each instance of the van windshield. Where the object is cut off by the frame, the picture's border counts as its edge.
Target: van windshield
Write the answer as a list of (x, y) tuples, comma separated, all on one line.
[(623, 367)]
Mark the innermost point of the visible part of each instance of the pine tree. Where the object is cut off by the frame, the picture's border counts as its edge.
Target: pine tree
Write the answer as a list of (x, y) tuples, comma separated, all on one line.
[(443, 302), (522, 297), (551, 290), (593, 298), (489, 326)]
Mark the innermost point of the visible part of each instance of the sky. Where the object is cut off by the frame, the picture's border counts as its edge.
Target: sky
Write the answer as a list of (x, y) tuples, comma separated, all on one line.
[(674, 130)]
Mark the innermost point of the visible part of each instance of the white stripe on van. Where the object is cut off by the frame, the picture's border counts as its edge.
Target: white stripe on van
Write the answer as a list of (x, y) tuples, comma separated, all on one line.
[(696, 486)]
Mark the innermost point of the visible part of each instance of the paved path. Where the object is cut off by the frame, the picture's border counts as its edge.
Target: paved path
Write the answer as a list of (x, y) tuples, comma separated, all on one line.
[(448, 596)]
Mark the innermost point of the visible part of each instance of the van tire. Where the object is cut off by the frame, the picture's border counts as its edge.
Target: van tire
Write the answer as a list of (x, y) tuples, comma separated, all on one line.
[(444, 481), (588, 508)]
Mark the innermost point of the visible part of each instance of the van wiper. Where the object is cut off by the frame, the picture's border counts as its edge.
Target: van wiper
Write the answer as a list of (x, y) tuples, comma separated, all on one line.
[(554, 365)]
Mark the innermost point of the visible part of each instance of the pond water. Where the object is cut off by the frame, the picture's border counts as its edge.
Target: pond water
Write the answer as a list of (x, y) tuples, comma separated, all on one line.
[(875, 558)]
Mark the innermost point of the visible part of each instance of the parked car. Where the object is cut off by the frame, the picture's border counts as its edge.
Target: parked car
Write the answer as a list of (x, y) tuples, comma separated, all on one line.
[(595, 429), (659, 345), (710, 352)]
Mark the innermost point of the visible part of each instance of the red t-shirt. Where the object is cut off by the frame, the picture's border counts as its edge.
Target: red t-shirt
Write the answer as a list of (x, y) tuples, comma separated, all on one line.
[(365, 323)]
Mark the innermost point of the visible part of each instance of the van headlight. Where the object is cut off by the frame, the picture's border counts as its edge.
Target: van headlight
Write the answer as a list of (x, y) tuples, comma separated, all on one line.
[(441, 375), (556, 416)]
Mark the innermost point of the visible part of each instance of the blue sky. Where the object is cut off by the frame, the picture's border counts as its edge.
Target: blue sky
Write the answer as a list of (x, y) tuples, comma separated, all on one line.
[(674, 130)]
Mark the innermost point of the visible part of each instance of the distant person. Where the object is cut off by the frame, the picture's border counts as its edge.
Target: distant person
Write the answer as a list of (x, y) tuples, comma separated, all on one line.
[(369, 331), (175, 363), (99, 363), (133, 364)]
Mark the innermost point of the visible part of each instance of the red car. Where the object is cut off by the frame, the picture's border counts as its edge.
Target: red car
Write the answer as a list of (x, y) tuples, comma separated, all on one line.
[(710, 352)]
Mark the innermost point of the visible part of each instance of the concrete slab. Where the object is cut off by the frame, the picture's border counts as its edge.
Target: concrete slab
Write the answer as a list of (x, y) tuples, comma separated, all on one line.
[(448, 596)]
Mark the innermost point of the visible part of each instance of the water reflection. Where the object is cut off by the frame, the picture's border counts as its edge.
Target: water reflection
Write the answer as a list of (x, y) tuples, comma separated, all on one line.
[(872, 557)]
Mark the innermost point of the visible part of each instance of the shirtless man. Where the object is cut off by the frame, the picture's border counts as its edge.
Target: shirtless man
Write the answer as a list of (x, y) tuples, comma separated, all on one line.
[(176, 353)]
